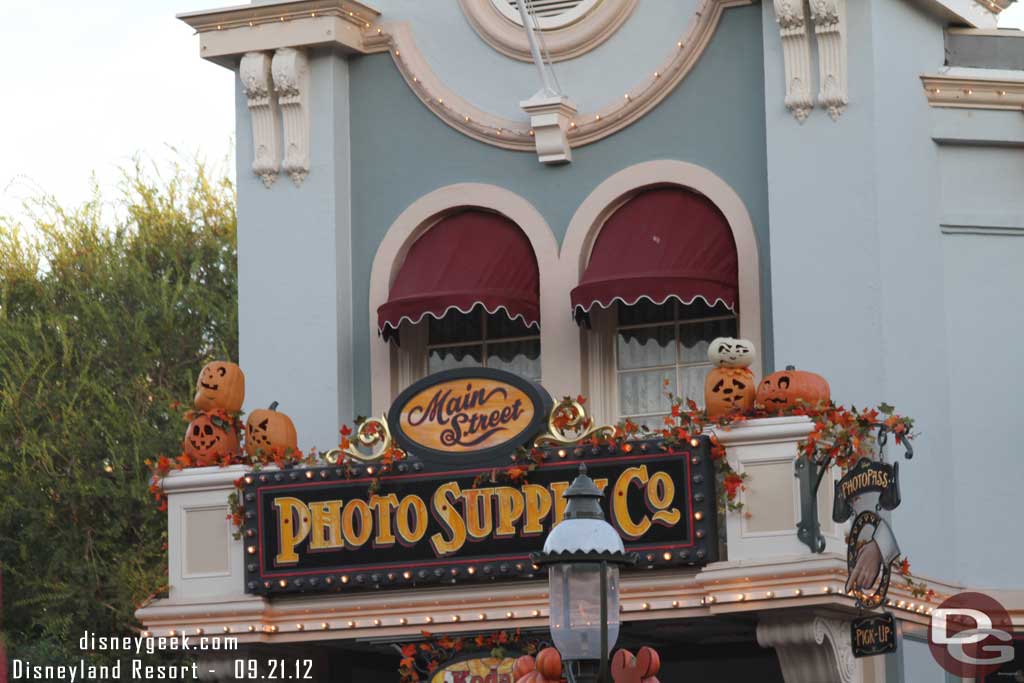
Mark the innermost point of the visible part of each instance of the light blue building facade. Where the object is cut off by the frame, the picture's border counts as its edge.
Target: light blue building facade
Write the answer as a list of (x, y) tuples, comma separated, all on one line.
[(866, 155)]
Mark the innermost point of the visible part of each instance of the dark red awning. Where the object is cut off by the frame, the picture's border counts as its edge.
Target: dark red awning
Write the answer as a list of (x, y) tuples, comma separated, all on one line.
[(471, 258), (663, 243)]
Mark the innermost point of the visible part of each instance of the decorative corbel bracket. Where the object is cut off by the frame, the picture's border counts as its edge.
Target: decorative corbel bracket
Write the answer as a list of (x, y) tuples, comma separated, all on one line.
[(254, 71), (290, 70), (810, 650), (829, 18), (796, 55), (550, 118)]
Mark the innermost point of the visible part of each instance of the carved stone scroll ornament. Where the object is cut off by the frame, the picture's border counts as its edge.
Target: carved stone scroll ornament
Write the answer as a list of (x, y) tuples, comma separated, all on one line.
[(291, 82), (830, 31), (796, 55), (254, 72), (810, 650)]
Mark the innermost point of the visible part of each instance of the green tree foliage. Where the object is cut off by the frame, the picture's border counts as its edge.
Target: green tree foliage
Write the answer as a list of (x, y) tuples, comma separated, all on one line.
[(107, 312)]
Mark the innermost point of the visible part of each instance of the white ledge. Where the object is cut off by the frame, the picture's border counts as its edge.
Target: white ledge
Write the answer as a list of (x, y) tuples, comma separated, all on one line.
[(765, 430), (970, 88)]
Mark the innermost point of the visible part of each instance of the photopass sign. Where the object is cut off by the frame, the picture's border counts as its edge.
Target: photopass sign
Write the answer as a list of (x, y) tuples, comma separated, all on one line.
[(971, 635), (456, 515)]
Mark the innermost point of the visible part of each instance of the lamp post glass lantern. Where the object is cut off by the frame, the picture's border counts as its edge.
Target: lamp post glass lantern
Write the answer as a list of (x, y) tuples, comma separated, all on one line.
[(583, 554)]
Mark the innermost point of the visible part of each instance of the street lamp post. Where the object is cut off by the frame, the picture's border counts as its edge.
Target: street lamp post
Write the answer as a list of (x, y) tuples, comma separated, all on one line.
[(583, 554)]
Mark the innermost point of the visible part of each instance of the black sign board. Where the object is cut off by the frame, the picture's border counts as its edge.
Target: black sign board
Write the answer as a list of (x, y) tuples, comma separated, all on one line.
[(873, 635), (867, 476), (309, 530)]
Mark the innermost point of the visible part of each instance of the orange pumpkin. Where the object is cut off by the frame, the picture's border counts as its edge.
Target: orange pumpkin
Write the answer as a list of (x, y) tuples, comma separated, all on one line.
[(221, 384), (267, 429), (787, 387), (648, 661), (533, 677), (549, 664), (207, 441), (728, 390), (523, 666)]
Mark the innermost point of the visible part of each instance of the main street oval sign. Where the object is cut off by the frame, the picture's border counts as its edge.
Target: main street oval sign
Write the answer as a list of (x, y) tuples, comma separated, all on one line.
[(471, 414)]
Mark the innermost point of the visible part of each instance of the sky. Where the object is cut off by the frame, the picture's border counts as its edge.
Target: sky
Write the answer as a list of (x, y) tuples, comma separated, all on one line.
[(87, 85)]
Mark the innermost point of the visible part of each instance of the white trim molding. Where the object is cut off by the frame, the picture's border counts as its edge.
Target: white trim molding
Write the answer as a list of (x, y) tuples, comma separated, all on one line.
[(558, 335), (353, 28), (290, 69), (254, 72), (584, 128), (810, 650), (829, 19), (796, 56), (550, 118), (228, 32), (577, 32), (969, 88)]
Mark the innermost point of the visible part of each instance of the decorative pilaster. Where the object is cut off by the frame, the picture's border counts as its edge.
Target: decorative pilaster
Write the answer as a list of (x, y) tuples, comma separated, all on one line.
[(291, 82), (796, 55), (810, 650), (550, 118), (254, 71), (830, 30)]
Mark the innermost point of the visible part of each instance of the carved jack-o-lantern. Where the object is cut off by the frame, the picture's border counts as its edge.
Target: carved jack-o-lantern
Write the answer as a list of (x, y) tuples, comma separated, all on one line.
[(788, 387), (220, 385), (728, 390), (207, 441), (726, 352), (267, 429)]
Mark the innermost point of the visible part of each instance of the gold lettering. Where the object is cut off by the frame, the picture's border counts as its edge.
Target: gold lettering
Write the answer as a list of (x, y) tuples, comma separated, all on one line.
[(558, 489), (479, 514), (444, 508), (326, 525), (620, 503), (411, 530), (660, 492), (292, 528), (382, 507), (356, 509), (510, 510), (538, 505)]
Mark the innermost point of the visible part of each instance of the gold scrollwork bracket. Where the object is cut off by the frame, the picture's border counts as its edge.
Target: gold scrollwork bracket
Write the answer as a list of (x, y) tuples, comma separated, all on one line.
[(371, 441), (568, 425)]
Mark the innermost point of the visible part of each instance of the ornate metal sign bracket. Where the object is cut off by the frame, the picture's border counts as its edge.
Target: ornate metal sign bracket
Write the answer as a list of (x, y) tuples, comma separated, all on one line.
[(810, 472)]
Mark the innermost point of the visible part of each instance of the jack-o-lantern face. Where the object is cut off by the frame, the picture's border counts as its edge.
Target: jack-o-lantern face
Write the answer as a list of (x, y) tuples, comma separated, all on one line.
[(208, 442), (789, 387), (220, 385), (726, 352), (267, 429), (728, 390)]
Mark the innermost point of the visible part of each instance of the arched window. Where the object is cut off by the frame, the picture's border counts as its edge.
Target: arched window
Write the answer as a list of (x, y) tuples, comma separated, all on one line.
[(660, 284), (467, 294)]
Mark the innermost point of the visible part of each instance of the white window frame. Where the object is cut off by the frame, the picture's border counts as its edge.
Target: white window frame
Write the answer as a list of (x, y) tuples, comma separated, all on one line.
[(411, 355), (600, 358), (546, 23)]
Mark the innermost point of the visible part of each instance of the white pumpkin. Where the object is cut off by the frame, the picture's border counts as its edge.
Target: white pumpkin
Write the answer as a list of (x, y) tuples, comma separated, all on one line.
[(726, 352)]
